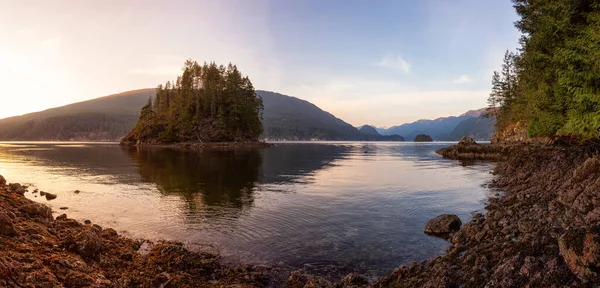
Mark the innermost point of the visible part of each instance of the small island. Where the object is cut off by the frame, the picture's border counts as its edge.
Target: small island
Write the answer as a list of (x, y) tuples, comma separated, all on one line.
[(207, 104), (423, 138)]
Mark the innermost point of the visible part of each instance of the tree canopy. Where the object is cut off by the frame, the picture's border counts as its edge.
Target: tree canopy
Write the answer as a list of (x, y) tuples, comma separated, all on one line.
[(207, 103), (552, 83)]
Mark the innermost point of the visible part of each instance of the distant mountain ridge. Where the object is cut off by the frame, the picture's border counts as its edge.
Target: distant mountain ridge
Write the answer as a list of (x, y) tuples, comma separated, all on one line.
[(370, 133), (439, 129), (111, 117)]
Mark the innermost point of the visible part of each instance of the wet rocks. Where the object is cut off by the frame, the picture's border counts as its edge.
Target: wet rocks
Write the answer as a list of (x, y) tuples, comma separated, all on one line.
[(580, 249), (87, 244), (66, 253), (6, 226), (443, 225), (36, 210), (354, 280), (298, 279), (16, 188), (50, 196)]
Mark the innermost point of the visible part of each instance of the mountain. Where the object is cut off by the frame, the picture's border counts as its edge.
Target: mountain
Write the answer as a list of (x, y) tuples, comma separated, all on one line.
[(370, 133), (290, 118), (368, 130), (112, 117), (480, 128), (107, 118), (439, 128)]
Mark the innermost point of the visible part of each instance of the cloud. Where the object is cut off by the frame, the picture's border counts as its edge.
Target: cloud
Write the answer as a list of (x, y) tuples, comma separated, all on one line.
[(397, 63), (462, 79), (172, 70)]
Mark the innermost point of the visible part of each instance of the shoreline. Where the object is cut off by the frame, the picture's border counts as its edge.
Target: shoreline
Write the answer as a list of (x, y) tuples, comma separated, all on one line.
[(200, 145), (540, 229), (43, 250)]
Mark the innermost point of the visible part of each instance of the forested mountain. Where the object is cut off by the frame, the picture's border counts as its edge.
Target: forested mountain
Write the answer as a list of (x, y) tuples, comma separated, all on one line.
[(438, 129), (207, 103), (110, 118), (552, 84), (480, 128), (106, 118), (290, 118)]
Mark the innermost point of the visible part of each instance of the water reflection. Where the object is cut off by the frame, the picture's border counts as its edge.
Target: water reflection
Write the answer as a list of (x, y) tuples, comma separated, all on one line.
[(330, 208), (215, 177)]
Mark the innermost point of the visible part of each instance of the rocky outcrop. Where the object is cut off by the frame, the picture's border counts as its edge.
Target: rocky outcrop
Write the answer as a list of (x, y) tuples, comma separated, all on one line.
[(443, 225), (468, 149), (516, 133)]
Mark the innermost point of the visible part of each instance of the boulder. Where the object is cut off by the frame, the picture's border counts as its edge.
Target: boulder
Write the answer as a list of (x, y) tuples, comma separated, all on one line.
[(50, 196), (36, 210), (6, 226), (580, 248), (317, 282), (86, 244), (298, 279), (61, 217), (14, 186), (354, 280), (2, 181), (443, 225)]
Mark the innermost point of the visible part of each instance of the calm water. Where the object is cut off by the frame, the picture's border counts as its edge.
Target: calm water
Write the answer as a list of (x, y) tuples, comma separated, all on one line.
[(328, 208)]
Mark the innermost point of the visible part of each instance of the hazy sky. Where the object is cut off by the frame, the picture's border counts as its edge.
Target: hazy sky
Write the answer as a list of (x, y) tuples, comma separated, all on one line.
[(367, 62)]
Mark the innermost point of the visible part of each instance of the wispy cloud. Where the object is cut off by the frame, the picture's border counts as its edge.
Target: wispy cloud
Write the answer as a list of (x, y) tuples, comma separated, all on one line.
[(158, 70), (396, 62), (462, 79)]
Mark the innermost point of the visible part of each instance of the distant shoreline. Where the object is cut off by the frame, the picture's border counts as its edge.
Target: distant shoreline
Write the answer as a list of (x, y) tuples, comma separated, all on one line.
[(200, 145)]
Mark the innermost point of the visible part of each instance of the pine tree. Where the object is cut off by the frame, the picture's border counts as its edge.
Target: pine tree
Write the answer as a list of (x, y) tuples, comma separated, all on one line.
[(205, 103)]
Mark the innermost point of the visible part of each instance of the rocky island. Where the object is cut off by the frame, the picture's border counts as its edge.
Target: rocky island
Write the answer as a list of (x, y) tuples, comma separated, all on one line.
[(207, 105), (423, 138)]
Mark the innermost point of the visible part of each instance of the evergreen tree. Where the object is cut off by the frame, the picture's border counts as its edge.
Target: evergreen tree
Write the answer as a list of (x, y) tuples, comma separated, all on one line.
[(205, 103)]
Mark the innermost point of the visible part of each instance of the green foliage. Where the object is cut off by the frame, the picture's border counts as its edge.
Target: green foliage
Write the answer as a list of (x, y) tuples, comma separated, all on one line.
[(557, 73), (205, 103)]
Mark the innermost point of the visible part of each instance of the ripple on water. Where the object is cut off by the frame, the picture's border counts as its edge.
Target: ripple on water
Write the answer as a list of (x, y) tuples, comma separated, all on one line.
[(325, 207)]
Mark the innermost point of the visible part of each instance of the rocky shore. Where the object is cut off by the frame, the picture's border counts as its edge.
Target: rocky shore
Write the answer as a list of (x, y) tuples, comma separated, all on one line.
[(541, 230), (41, 250)]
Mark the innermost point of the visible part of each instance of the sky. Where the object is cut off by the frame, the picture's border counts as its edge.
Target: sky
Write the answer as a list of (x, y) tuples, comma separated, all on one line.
[(367, 62)]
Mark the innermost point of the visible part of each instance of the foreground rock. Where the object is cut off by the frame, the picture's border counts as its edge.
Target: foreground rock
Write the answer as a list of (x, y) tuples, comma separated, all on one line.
[(543, 232), (443, 225)]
